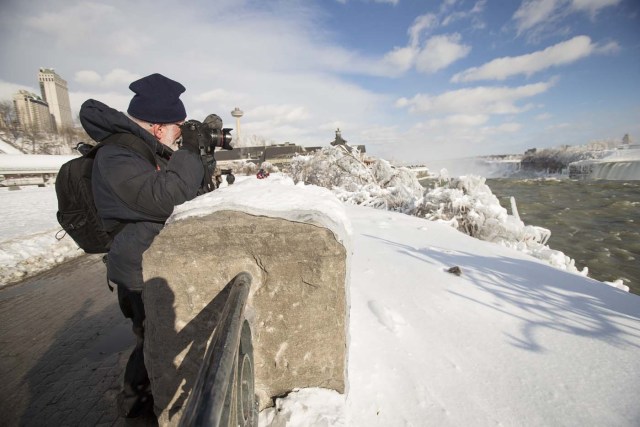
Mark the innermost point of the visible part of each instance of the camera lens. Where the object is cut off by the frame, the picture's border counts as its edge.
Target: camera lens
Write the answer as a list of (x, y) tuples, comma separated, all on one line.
[(221, 137)]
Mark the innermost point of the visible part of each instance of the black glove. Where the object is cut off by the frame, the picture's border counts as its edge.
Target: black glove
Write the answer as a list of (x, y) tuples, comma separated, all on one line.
[(192, 136)]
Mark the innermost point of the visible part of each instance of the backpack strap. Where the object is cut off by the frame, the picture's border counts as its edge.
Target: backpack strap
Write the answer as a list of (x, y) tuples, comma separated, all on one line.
[(129, 142)]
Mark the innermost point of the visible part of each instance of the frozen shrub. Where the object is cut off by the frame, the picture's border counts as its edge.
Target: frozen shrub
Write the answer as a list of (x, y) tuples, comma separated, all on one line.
[(244, 167), (377, 185), (465, 203), (269, 167)]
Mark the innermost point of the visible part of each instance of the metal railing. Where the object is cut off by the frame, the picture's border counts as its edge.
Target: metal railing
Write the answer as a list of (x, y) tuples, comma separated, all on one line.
[(223, 394)]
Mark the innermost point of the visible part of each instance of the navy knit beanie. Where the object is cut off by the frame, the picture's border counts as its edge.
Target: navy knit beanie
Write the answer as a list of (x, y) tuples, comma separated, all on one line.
[(157, 100)]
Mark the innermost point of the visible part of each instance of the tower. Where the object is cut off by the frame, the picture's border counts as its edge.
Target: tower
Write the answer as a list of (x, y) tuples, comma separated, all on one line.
[(55, 93), (237, 113), (339, 140)]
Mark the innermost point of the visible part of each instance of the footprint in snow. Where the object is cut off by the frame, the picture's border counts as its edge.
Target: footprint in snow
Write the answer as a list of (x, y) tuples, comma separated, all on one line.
[(387, 317)]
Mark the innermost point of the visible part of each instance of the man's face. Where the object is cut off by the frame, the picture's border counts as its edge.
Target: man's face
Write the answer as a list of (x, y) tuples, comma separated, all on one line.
[(168, 134)]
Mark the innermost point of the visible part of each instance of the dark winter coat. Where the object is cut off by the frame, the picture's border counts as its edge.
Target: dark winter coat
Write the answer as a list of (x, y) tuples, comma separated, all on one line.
[(127, 188)]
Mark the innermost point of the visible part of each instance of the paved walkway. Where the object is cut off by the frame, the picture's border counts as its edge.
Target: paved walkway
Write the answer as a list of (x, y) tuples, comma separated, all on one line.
[(63, 347)]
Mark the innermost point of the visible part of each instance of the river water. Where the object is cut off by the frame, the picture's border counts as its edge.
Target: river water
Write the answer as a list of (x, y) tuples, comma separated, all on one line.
[(597, 223)]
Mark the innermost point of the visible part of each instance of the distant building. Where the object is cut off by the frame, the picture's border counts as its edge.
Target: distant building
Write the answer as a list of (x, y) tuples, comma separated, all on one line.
[(277, 153), (55, 93), (341, 141), (272, 153), (32, 111)]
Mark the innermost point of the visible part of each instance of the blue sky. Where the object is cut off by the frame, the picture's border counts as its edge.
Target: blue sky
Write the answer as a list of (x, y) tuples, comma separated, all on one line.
[(416, 81)]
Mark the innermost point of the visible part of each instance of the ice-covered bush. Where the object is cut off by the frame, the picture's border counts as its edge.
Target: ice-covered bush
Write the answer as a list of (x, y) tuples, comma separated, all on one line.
[(271, 168), (375, 183), (465, 203), (243, 167)]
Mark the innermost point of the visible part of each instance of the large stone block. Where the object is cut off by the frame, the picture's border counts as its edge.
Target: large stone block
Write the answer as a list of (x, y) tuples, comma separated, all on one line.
[(297, 306)]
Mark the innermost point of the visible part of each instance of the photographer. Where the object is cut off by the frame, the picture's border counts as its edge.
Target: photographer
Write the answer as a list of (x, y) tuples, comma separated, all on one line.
[(129, 190)]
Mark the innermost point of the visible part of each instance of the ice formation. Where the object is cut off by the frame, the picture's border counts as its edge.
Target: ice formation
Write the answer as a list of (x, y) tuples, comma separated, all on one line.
[(466, 203)]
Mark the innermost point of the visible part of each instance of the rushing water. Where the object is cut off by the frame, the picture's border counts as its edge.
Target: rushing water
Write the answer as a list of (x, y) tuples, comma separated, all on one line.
[(597, 223)]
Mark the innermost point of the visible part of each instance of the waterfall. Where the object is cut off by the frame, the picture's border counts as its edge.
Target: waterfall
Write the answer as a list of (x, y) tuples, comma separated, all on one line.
[(621, 165), (616, 171)]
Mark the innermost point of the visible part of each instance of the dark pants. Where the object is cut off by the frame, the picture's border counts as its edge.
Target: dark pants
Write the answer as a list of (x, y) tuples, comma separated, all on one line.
[(135, 399)]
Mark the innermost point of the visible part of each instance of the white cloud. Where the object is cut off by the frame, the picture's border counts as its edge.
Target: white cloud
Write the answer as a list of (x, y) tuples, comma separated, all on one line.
[(421, 24), (543, 116), (117, 100), (454, 137), (487, 100), (473, 14), (73, 25), (116, 78), (437, 53), (510, 127), (278, 114), (441, 51), (458, 120), (539, 14), (592, 6), (7, 90), (532, 12), (87, 77), (401, 59), (562, 53), (609, 48), (219, 95), (119, 76)]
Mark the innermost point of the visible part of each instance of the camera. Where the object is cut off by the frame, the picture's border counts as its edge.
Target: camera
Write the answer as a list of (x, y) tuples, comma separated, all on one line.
[(211, 134)]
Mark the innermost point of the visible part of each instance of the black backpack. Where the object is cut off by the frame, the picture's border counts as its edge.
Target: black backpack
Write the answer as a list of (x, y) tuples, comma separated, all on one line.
[(77, 213)]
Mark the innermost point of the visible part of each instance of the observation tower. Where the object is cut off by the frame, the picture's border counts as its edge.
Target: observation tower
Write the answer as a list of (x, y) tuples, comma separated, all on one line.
[(237, 113)]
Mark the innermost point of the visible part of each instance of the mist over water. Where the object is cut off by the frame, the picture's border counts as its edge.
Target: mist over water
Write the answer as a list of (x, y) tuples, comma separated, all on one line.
[(597, 223)]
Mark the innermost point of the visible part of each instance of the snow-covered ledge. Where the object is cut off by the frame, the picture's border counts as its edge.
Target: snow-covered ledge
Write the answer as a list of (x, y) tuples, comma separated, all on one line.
[(294, 242)]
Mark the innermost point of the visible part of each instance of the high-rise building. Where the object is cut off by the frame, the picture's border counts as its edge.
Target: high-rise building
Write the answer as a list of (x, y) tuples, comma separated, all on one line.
[(55, 93), (33, 112)]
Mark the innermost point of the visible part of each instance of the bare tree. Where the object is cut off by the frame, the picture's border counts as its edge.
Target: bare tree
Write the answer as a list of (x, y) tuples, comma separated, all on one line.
[(9, 118), (32, 134)]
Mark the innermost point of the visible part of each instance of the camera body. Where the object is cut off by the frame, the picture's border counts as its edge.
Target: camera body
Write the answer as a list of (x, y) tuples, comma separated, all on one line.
[(211, 134)]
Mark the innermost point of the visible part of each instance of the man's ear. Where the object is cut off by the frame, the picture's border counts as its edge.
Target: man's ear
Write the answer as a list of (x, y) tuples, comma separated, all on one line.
[(156, 130)]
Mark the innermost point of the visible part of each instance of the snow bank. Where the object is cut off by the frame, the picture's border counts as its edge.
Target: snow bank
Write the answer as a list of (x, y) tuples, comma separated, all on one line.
[(22, 257), (28, 243)]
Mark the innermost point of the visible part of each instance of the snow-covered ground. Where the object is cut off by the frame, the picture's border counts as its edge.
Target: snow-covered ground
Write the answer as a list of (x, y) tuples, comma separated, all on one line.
[(512, 340)]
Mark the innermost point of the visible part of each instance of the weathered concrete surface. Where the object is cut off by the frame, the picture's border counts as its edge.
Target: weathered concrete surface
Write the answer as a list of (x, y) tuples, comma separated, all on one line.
[(297, 305), (63, 347)]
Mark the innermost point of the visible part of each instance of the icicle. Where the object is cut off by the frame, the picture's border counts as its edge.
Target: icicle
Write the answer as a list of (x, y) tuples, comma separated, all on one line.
[(514, 208)]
